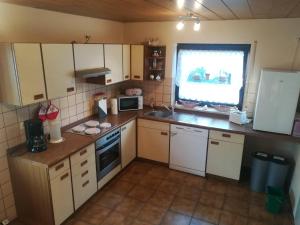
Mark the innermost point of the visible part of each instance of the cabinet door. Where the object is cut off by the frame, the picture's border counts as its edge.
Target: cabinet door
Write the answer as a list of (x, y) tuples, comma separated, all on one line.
[(88, 56), (153, 144), (113, 61), (224, 159), (126, 62), (137, 62), (30, 72), (62, 198), (59, 69), (128, 142)]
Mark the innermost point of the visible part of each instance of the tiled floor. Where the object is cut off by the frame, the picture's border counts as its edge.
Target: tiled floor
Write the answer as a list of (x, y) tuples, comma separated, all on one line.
[(148, 194)]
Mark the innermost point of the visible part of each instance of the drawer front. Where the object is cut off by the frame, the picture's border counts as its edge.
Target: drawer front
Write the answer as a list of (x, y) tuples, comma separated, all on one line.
[(59, 168), (153, 124), (82, 154), (84, 186), (84, 165), (226, 136)]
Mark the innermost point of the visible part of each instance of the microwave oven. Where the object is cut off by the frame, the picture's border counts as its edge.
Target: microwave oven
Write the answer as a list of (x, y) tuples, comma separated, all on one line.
[(127, 103)]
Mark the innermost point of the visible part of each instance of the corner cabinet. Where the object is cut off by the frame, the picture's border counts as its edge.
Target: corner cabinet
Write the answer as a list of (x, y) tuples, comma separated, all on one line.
[(137, 62), (225, 152), (128, 142), (59, 69), (126, 62), (21, 74), (153, 140)]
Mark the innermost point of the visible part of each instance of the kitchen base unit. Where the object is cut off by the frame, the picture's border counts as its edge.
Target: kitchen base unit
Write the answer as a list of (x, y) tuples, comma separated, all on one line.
[(188, 148)]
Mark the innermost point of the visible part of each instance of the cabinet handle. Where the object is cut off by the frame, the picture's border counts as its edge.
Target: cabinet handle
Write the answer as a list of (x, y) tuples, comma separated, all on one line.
[(164, 133), (214, 143), (85, 183), (226, 135), (59, 166), (83, 163), (84, 173), (123, 128), (64, 176), (126, 76), (83, 152), (70, 89), (39, 96), (137, 77), (108, 81)]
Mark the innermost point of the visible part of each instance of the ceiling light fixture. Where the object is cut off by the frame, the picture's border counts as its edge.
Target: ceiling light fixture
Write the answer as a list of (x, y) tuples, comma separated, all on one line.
[(188, 17), (180, 3)]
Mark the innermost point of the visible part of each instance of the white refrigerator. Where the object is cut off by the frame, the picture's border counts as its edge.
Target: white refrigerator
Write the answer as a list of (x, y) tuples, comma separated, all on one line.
[(276, 102)]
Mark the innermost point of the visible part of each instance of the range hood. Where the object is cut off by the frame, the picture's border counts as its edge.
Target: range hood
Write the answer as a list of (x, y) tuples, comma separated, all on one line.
[(93, 73)]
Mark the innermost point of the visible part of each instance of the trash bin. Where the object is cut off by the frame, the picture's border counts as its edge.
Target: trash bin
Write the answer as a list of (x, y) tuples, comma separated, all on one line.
[(278, 171), (275, 199), (259, 171)]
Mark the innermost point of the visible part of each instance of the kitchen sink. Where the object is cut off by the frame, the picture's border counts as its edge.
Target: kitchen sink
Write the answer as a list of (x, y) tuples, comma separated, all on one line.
[(159, 114)]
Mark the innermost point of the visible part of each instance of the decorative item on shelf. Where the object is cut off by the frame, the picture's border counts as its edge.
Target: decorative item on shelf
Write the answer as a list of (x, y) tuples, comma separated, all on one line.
[(154, 62), (151, 77), (158, 77), (133, 92)]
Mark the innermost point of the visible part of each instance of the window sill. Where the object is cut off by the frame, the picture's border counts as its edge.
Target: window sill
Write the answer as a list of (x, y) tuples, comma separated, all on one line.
[(202, 109)]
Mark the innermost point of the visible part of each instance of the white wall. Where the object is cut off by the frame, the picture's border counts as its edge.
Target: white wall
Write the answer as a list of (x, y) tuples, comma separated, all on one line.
[(276, 42)]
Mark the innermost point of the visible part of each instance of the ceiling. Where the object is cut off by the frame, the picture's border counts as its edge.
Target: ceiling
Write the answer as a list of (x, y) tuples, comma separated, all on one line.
[(167, 10)]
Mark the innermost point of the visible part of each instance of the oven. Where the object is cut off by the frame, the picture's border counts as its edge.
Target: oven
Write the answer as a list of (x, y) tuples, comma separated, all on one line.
[(108, 154)]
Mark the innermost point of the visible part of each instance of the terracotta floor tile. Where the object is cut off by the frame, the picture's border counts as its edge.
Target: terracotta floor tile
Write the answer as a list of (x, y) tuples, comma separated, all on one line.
[(195, 181), (228, 218), (238, 191), (189, 192), (172, 218), (150, 181), (236, 206), (207, 213), (138, 222), (129, 207), (260, 213), (283, 219), (159, 171), (161, 199), (131, 177), (71, 222), (140, 167), (212, 199), (151, 214), (121, 187), (199, 222), (94, 215), (169, 187), (109, 199), (216, 186), (257, 222), (116, 218), (183, 205), (141, 193), (176, 176), (258, 199)]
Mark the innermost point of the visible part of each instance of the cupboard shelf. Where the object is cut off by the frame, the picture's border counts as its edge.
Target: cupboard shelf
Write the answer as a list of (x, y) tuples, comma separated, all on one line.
[(151, 62)]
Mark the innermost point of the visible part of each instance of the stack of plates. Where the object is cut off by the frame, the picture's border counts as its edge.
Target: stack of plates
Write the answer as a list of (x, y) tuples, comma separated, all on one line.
[(79, 129), (105, 125), (91, 131), (92, 123)]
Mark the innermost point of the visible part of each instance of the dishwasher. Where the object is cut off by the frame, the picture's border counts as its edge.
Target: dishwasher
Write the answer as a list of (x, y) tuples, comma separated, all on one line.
[(188, 149)]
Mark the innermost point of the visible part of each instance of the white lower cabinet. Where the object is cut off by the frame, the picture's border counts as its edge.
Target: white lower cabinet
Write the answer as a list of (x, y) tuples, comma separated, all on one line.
[(225, 152), (128, 142)]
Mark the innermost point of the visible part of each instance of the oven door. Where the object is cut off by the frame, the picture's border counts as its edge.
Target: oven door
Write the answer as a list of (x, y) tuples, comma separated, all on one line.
[(128, 103), (108, 158)]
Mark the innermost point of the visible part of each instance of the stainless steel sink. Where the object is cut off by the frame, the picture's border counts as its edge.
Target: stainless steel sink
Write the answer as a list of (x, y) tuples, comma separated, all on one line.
[(159, 113)]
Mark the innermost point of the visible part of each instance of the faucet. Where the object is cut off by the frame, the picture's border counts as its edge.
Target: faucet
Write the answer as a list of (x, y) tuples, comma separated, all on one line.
[(152, 103), (169, 108)]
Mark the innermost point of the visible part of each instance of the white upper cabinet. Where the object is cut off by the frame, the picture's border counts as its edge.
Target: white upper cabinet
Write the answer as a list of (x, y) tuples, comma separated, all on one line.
[(88, 56), (21, 74), (126, 62), (137, 62), (59, 69), (113, 61)]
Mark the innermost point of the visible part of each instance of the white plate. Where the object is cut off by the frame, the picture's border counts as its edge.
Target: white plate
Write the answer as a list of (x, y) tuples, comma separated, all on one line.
[(92, 123), (78, 129), (105, 125), (91, 131)]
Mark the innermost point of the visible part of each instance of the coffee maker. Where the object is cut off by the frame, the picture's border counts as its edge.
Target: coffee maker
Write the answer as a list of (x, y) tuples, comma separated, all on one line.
[(35, 138)]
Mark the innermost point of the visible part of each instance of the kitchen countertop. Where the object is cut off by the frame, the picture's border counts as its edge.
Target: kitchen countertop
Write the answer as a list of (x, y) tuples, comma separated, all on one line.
[(75, 142)]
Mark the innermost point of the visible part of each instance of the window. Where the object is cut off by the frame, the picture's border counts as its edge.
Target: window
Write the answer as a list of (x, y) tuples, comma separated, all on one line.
[(211, 73)]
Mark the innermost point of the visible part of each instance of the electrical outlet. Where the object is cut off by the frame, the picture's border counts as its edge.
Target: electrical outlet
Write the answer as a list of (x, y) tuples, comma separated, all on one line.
[(5, 222)]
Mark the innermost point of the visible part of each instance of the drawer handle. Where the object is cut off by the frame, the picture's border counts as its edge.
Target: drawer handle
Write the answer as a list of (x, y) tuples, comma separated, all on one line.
[(39, 96), (137, 77), (126, 76), (108, 81), (226, 135), (214, 143), (84, 173), (70, 89), (58, 167), (84, 162), (64, 176), (164, 133), (83, 152), (85, 183)]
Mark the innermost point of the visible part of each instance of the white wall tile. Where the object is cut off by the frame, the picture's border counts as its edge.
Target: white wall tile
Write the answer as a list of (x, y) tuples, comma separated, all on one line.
[(3, 165), (9, 201), (10, 118), (2, 135), (6, 189), (79, 108), (23, 114), (1, 121), (79, 98), (11, 213), (63, 102), (12, 131), (71, 100), (72, 110), (3, 149)]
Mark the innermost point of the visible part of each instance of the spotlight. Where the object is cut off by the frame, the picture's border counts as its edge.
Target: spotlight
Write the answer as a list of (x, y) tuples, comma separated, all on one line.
[(180, 25)]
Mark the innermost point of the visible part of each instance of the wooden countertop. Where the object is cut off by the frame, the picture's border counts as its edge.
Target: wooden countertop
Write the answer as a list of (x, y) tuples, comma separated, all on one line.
[(75, 142)]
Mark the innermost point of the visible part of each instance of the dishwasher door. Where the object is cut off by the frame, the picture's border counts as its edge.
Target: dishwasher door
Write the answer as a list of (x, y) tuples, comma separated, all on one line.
[(188, 149)]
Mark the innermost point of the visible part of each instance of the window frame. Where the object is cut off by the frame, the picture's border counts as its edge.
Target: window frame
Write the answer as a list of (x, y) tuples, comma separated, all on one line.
[(230, 47)]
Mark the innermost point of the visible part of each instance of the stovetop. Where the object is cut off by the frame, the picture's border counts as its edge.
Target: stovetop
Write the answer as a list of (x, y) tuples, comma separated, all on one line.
[(84, 127)]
